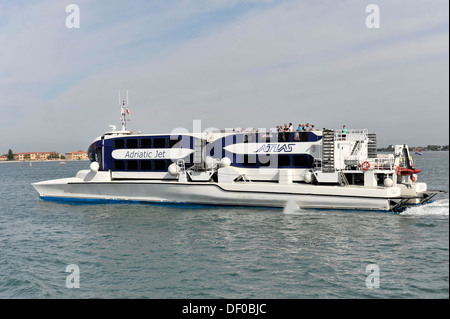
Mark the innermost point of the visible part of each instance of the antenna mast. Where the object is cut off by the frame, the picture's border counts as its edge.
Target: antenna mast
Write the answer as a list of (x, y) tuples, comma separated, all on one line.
[(124, 112)]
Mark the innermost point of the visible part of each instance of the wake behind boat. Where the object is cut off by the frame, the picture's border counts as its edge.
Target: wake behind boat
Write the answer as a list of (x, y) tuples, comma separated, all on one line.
[(327, 169)]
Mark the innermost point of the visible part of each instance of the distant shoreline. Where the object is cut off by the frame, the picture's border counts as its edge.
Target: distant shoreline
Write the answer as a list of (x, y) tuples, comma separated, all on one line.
[(386, 149), (44, 161)]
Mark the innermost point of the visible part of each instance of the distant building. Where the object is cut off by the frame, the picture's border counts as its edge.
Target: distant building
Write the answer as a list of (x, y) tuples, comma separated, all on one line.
[(37, 156), (80, 155), (3, 158)]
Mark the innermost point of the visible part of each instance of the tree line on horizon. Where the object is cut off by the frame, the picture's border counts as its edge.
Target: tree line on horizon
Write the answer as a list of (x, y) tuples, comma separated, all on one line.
[(423, 148), (10, 155)]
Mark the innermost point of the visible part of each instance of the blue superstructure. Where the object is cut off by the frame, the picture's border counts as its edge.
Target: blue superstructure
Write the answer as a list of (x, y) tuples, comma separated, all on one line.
[(274, 150)]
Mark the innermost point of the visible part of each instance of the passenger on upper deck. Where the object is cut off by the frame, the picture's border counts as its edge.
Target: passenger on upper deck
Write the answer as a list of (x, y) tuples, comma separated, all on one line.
[(344, 132), (286, 133), (307, 127)]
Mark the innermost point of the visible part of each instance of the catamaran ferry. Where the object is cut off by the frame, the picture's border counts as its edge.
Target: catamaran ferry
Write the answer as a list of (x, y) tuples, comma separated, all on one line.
[(325, 169)]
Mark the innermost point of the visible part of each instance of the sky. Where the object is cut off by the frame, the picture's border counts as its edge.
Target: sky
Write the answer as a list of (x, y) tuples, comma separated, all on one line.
[(227, 63)]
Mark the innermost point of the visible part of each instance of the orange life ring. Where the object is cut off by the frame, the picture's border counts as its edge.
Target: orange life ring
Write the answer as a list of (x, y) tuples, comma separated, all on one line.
[(365, 166), (413, 178), (399, 170)]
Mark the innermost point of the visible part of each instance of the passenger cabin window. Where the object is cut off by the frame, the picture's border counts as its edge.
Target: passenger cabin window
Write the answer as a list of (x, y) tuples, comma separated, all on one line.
[(173, 141), (132, 165), (303, 136), (265, 160), (159, 143), (119, 143), (284, 160), (119, 165), (146, 143), (146, 165), (249, 138), (265, 137), (249, 160), (98, 156), (301, 160), (160, 165), (91, 152), (132, 143)]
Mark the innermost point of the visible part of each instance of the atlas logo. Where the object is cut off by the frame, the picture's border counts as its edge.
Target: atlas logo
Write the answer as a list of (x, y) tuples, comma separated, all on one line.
[(275, 148)]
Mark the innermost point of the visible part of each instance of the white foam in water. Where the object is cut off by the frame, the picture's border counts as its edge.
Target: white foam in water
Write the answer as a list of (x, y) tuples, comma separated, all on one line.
[(292, 208), (439, 207)]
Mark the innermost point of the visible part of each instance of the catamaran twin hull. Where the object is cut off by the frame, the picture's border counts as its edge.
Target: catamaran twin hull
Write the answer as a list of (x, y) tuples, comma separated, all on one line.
[(258, 194), (327, 169)]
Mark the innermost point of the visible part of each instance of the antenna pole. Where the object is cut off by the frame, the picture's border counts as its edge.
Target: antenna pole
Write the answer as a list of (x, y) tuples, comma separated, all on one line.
[(124, 112)]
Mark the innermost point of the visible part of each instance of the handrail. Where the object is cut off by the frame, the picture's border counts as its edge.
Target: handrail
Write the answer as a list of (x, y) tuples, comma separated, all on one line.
[(381, 163), (351, 135)]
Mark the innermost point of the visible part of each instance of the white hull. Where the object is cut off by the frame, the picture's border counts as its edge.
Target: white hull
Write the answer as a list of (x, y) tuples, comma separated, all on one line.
[(320, 170), (208, 193)]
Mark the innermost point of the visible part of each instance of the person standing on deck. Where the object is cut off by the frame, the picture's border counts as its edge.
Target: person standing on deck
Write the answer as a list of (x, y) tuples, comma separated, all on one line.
[(344, 132)]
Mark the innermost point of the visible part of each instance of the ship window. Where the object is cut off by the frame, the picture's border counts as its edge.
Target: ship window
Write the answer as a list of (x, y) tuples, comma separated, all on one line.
[(159, 143), (98, 155), (303, 136), (285, 136), (146, 165), (288, 136), (265, 159), (249, 160), (284, 160), (301, 160), (119, 143), (249, 138), (119, 165), (160, 165), (132, 164), (281, 137), (146, 143), (91, 153), (189, 159), (132, 143), (173, 141), (265, 137)]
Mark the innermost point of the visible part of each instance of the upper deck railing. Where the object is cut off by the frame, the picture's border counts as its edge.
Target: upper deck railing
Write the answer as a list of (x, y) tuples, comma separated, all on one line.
[(351, 135), (267, 137)]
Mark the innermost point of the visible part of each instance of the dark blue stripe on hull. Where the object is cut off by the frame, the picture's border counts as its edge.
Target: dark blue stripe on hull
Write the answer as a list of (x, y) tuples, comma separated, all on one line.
[(98, 201)]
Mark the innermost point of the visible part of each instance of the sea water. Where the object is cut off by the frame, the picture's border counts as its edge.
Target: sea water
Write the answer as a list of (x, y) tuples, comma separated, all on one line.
[(58, 250)]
